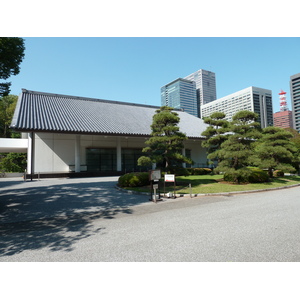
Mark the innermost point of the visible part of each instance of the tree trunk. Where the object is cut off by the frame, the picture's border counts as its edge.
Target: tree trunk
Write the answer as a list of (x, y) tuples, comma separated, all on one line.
[(270, 172)]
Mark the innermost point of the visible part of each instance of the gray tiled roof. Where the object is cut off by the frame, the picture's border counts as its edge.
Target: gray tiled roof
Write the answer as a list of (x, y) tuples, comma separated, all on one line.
[(38, 111)]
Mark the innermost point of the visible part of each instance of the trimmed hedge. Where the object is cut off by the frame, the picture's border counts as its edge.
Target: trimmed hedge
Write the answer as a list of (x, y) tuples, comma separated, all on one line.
[(201, 171), (179, 171), (246, 175), (134, 179)]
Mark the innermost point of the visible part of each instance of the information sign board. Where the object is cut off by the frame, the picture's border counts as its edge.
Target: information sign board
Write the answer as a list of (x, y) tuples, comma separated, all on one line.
[(155, 175), (169, 178)]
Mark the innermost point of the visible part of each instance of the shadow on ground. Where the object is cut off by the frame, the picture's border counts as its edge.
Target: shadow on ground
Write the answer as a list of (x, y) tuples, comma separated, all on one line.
[(57, 216)]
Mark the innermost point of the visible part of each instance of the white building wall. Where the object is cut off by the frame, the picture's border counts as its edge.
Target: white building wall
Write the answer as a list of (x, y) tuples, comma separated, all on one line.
[(198, 153), (55, 153)]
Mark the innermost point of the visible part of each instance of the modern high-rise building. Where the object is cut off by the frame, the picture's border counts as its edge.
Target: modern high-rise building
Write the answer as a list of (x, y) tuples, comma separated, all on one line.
[(180, 94), (295, 99), (205, 87), (252, 98)]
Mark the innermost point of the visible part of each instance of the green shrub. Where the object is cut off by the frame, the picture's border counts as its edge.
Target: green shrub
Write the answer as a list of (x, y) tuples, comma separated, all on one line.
[(201, 171), (134, 179), (257, 175), (278, 173), (181, 172), (246, 175)]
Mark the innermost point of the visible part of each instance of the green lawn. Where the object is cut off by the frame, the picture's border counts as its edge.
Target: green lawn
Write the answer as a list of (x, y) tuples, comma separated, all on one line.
[(205, 184)]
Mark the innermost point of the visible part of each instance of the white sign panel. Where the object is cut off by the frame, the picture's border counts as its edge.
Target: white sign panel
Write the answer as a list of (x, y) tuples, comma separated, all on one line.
[(169, 177)]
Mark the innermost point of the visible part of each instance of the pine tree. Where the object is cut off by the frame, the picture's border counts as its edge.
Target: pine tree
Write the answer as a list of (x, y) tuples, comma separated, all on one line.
[(166, 142), (215, 134), (237, 151), (275, 150)]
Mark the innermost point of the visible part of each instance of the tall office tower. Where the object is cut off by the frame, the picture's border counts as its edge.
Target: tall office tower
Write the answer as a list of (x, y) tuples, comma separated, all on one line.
[(295, 99), (283, 118), (205, 87), (180, 94), (252, 98)]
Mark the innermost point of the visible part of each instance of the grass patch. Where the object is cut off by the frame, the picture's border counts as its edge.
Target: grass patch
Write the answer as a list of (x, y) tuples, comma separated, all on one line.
[(205, 184)]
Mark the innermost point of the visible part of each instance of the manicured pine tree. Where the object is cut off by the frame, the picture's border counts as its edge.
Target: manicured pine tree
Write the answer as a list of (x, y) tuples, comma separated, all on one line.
[(215, 135), (166, 142), (237, 151), (275, 150)]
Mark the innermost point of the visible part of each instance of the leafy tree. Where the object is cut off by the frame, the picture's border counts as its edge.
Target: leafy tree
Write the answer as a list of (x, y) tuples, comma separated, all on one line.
[(296, 140), (11, 55), (166, 142), (275, 150), (237, 151), (10, 162), (7, 108), (13, 162), (215, 134), (144, 161)]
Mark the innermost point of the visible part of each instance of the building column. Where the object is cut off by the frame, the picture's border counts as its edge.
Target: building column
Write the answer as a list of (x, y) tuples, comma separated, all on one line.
[(77, 153), (119, 154), (31, 154), (183, 153)]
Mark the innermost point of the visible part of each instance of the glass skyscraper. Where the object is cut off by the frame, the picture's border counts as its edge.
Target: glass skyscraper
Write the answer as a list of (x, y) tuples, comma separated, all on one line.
[(191, 92), (180, 94), (295, 99), (205, 87)]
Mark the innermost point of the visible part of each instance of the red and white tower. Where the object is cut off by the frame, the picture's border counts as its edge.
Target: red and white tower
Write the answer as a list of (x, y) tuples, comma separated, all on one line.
[(283, 104)]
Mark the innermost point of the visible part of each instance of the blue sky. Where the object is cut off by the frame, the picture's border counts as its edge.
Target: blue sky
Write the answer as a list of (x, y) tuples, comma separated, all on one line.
[(133, 69)]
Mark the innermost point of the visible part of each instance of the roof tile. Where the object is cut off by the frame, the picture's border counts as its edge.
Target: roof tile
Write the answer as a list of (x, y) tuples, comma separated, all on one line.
[(36, 111)]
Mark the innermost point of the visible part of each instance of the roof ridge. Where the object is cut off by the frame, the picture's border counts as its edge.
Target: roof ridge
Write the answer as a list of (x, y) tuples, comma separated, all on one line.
[(90, 99)]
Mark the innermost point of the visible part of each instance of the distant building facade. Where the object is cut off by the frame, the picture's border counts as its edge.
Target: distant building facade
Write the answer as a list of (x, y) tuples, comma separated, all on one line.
[(295, 100), (205, 87), (283, 119), (180, 94), (254, 99)]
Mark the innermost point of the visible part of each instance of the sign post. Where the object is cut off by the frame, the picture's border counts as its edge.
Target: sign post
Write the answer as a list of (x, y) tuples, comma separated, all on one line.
[(154, 177), (170, 178)]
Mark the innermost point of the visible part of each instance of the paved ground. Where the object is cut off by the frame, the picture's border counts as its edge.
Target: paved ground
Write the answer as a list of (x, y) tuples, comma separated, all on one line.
[(89, 220)]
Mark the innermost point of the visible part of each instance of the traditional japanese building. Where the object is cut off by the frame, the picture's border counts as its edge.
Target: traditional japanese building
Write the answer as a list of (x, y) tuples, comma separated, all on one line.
[(77, 134)]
